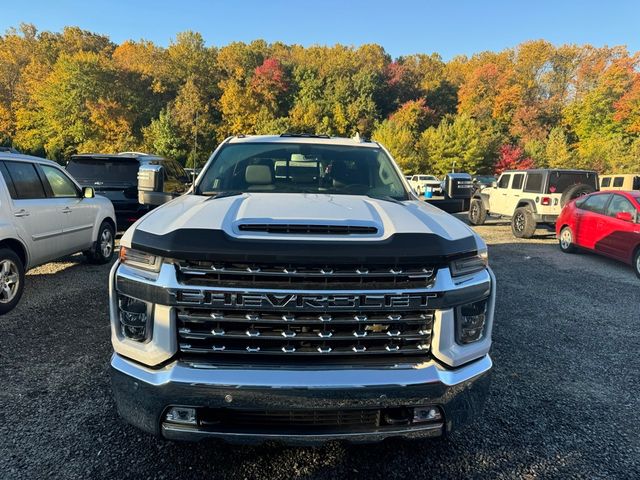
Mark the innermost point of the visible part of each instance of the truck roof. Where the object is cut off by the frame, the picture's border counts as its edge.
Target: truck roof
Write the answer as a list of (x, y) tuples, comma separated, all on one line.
[(303, 138)]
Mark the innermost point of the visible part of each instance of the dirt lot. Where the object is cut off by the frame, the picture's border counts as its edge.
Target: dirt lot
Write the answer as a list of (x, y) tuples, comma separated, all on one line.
[(564, 400)]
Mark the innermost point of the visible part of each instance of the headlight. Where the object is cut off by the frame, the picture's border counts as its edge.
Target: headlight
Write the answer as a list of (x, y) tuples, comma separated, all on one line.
[(135, 318), (467, 265), (138, 259), (471, 320)]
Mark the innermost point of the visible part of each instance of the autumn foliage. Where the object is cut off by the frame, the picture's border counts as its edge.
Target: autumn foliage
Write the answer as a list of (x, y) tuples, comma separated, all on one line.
[(534, 104)]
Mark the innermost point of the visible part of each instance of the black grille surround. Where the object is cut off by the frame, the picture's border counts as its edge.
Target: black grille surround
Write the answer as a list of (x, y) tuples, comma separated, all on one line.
[(301, 312)]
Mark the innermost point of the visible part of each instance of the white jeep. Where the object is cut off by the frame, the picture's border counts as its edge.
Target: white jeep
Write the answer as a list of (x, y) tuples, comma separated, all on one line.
[(531, 197), (44, 215)]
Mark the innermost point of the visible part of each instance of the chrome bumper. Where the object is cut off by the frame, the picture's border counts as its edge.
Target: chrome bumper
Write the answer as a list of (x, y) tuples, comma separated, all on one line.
[(143, 394)]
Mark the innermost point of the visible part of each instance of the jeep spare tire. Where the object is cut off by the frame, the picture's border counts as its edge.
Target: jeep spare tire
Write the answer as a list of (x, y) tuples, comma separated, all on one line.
[(574, 192)]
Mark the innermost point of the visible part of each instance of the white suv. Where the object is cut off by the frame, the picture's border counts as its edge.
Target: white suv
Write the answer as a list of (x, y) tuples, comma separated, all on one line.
[(531, 198), (44, 215)]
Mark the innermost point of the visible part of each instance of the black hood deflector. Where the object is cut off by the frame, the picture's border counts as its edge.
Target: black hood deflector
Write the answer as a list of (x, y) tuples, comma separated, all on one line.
[(217, 246)]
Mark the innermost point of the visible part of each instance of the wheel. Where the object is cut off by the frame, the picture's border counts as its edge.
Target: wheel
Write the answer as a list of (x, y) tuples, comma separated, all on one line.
[(102, 251), (11, 280), (566, 240), (477, 212), (636, 262), (575, 192), (522, 223)]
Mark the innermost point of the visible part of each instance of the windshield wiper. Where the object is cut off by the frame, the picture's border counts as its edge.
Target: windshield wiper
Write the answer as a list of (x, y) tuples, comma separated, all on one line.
[(229, 193), (384, 197)]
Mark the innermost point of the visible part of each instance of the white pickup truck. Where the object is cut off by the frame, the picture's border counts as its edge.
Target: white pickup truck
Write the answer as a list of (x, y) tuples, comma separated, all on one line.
[(421, 182), (300, 292)]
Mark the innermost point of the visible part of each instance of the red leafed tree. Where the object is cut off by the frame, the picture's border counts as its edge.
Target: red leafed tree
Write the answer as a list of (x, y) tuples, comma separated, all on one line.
[(512, 157), (269, 79)]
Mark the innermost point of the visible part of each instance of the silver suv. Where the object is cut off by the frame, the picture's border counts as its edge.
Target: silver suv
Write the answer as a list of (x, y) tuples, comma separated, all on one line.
[(531, 197), (44, 215)]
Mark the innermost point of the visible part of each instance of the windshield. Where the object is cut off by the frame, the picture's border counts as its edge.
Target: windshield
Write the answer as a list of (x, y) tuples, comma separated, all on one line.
[(302, 168), (104, 170)]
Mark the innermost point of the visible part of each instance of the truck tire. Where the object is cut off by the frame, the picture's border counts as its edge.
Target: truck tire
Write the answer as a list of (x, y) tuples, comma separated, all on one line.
[(522, 223), (11, 280), (566, 240), (104, 246), (636, 262), (574, 192), (477, 212)]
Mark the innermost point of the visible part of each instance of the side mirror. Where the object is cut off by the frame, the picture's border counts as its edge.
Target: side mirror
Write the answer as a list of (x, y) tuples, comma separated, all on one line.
[(151, 185), (88, 192), (494, 184), (624, 216)]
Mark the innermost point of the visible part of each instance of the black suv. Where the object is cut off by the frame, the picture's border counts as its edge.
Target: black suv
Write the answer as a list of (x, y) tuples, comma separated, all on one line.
[(115, 176)]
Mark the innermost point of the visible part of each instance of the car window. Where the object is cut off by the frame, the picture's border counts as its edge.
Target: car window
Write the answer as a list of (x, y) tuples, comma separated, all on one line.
[(636, 183), (561, 181), (618, 181), (61, 185), (518, 178), (25, 180), (594, 203), (8, 181), (606, 182), (533, 183), (620, 204), (504, 181)]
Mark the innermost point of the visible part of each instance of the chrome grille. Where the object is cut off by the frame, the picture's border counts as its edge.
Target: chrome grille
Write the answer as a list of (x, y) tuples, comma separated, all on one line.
[(273, 275), (295, 334)]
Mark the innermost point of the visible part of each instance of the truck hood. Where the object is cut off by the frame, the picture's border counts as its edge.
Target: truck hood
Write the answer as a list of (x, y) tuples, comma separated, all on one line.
[(188, 218), (227, 213)]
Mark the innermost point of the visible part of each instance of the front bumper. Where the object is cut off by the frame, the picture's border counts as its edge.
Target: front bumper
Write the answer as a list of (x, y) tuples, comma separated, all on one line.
[(143, 395)]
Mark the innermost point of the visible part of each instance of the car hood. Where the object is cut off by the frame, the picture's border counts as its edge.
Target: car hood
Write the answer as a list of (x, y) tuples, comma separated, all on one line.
[(190, 216)]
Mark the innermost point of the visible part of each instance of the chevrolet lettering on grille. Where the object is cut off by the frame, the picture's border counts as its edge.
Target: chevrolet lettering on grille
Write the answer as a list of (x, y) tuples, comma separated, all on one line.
[(271, 301)]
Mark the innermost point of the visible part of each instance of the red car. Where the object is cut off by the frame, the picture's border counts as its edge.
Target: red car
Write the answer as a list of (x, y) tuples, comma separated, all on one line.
[(604, 222)]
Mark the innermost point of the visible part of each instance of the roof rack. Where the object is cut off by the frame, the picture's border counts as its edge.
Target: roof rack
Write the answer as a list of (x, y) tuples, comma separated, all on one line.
[(305, 135)]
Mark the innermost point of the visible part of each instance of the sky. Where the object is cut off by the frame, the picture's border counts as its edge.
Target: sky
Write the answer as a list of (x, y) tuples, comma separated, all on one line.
[(449, 28)]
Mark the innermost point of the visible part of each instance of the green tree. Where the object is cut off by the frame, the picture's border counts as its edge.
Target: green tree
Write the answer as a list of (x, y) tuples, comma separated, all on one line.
[(161, 136), (454, 144), (558, 152)]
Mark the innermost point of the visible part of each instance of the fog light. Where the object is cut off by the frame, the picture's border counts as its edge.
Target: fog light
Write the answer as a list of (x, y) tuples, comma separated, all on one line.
[(426, 414), (135, 318), (470, 322), (182, 415)]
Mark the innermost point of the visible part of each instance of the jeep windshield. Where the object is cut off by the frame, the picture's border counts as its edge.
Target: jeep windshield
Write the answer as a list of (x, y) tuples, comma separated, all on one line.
[(302, 168)]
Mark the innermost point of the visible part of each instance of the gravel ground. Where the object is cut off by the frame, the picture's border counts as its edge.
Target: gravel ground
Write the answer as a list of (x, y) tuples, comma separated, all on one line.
[(564, 400)]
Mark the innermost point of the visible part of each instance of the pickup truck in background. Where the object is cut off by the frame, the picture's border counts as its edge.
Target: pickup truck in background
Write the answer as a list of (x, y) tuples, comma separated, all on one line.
[(301, 293), (115, 176)]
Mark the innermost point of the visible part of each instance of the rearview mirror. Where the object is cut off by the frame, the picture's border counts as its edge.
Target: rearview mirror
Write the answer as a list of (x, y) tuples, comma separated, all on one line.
[(88, 192), (624, 216)]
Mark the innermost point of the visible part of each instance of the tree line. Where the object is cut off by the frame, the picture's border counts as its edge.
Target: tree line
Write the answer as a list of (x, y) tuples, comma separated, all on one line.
[(536, 104)]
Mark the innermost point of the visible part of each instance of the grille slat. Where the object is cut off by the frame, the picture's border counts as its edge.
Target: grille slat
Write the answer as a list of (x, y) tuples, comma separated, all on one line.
[(253, 275)]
